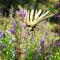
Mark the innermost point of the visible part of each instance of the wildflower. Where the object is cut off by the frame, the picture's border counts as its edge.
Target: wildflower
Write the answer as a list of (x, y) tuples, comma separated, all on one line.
[(24, 34), (42, 42), (1, 35), (25, 26), (12, 30), (14, 23), (22, 13)]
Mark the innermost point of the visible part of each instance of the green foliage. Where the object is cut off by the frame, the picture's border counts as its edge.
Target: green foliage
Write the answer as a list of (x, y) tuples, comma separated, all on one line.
[(7, 47), (55, 53)]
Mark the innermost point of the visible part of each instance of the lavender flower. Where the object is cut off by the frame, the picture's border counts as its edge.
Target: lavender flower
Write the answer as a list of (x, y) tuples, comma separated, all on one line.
[(1, 35), (24, 33), (41, 42), (25, 26), (22, 13), (14, 24), (12, 30)]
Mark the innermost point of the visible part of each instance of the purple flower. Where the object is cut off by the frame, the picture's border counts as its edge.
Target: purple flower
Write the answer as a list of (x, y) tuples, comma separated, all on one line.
[(12, 30), (1, 35), (25, 26), (24, 34), (22, 13), (42, 42), (14, 24)]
